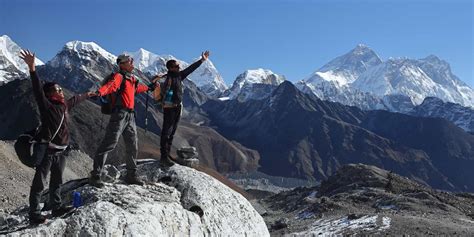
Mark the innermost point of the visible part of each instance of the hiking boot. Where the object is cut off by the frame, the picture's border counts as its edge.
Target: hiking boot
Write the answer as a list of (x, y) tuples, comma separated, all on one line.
[(36, 219), (166, 162), (61, 211), (132, 178), (96, 182)]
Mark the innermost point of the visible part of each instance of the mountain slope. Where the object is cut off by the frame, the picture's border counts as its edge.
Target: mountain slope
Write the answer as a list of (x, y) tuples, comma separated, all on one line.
[(449, 148), (433, 107), (368, 201)]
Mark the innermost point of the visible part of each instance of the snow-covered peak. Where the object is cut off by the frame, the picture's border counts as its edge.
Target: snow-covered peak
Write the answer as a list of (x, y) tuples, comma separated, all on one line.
[(81, 47), (260, 76), (416, 79), (362, 49), (82, 54), (11, 66), (10, 50), (208, 79), (251, 81), (142, 59), (344, 69), (356, 61)]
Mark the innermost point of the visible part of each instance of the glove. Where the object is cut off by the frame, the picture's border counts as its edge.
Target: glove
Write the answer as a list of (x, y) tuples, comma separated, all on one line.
[(151, 86)]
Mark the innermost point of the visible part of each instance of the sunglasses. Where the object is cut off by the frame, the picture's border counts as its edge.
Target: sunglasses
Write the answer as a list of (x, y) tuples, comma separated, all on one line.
[(129, 61), (57, 89)]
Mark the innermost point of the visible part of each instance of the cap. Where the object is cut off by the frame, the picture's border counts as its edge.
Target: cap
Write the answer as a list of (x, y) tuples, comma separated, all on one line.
[(123, 58)]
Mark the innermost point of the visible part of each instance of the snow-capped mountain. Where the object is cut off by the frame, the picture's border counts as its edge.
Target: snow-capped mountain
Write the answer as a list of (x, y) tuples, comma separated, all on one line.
[(347, 68), (440, 72), (80, 66), (151, 63), (206, 77), (11, 66), (463, 117), (332, 81), (254, 84), (407, 77), (360, 78)]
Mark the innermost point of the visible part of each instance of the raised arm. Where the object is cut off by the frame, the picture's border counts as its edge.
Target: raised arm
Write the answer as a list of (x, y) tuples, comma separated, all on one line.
[(194, 66), (29, 58)]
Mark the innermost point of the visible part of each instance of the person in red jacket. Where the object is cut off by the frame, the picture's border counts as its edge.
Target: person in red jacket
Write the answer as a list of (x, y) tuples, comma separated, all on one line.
[(122, 121)]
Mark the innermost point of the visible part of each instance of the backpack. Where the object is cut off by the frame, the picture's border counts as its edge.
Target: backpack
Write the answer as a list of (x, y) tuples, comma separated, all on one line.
[(160, 91), (30, 151), (108, 102)]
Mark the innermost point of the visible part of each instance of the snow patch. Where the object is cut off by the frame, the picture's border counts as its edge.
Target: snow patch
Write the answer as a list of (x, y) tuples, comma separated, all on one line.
[(330, 227)]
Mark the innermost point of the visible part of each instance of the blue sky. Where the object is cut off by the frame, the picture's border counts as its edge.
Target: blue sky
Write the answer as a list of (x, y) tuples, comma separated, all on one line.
[(289, 37)]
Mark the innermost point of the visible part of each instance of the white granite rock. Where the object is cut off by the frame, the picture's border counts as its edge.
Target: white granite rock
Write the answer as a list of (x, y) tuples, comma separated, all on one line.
[(179, 201)]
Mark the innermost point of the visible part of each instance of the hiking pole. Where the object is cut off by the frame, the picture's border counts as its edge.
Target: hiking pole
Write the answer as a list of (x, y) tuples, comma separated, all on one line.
[(146, 112)]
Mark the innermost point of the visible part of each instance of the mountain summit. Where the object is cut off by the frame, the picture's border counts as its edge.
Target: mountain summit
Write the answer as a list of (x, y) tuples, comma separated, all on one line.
[(254, 84), (11, 66), (360, 78)]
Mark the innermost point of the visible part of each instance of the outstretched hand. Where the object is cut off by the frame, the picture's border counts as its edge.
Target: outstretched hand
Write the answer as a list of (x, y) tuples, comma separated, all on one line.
[(92, 94), (29, 59), (205, 55), (157, 78)]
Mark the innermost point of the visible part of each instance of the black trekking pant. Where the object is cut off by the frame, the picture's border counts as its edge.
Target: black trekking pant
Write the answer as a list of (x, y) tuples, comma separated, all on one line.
[(121, 122), (54, 161), (171, 118)]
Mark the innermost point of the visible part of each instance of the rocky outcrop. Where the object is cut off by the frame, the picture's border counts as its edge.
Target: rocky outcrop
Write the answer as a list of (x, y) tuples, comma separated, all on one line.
[(179, 201), (365, 200)]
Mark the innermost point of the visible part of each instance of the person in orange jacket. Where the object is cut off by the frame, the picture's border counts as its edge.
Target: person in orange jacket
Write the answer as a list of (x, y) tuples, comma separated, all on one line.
[(122, 121)]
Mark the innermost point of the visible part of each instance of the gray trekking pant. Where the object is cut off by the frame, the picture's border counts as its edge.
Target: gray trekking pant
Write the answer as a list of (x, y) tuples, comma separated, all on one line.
[(121, 122)]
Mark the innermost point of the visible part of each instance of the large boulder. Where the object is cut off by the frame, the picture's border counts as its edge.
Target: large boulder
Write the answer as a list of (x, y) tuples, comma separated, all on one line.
[(179, 201)]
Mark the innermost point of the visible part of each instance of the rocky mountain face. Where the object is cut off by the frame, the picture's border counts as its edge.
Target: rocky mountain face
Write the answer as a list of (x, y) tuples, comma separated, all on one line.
[(434, 107), (11, 66), (360, 78), (449, 148), (206, 77), (365, 200), (253, 84), (174, 202), (300, 136)]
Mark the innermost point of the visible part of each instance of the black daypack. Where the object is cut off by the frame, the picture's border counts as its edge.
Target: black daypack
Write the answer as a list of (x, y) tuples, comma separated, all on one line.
[(29, 150), (108, 102)]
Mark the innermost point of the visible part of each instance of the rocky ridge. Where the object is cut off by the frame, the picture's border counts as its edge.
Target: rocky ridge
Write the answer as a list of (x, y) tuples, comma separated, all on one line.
[(365, 200)]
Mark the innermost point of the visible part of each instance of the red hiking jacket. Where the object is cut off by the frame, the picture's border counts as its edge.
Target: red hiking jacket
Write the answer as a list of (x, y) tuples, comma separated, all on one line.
[(128, 94)]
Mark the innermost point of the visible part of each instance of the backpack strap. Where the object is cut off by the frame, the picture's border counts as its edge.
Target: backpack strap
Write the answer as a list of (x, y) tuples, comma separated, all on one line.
[(120, 90), (60, 124)]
